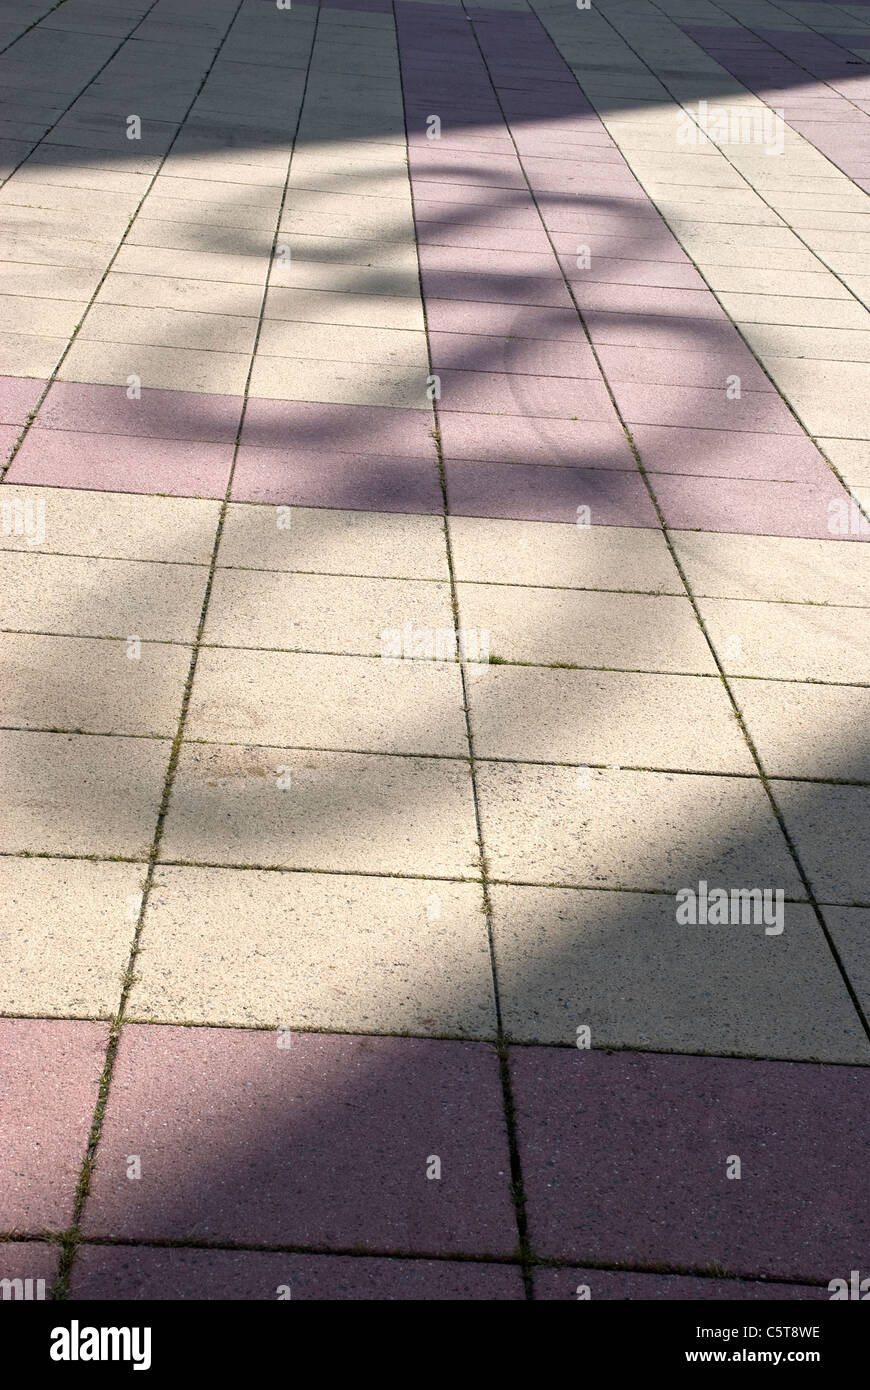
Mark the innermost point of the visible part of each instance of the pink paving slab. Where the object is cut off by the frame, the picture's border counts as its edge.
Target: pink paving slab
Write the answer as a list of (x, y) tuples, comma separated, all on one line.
[(322, 1143), (624, 1160), (123, 463), (111, 1272), (51, 1070)]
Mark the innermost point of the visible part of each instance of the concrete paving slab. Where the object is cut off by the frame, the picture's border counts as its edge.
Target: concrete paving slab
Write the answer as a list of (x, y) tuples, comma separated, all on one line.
[(71, 794), (566, 556), (174, 1273), (352, 934), (77, 684), (321, 1094), (695, 1107), (88, 597), (621, 964), (774, 567), (836, 866), (630, 632), (788, 641), (52, 1067), (328, 701), (316, 540), (547, 825), (680, 722), (68, 931)]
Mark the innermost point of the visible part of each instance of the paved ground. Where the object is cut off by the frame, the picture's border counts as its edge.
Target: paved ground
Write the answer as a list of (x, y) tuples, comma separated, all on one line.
[(303, 918)]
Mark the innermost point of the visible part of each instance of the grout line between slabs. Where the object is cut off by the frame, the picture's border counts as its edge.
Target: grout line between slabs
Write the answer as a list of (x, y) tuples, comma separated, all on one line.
[(390, 1252), (509, 1111)]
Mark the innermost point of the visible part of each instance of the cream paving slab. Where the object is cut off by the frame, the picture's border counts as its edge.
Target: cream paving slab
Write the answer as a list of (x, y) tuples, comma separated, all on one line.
[(268, 169), (350, 62), (584, 717), (390, 237), (192, 220), (621, 964), (192, 265), (620, 631), (857, 282), (48, 281), (248, 72), (357, 215), (850, 457), (388, 348), (846, 263), (835, 243), (355, 161), (789, 641), (23, 354), (659, 175), (619, 829), (770, 340), (792, 167), (67, 930), (166, 292), (335, 952), (316, 612), (850, 929), (744, 280), (773, 184), (343, 118), (90, 686), (831, 398), (774, 567), (80, 794), (344, 250), (792, 205), (319, 540), (38, 245), (56, 318), (212, 142), (39, 169), (205, 192), (89, 202), (87, 133), (109, 525), (731, 211), (80, 597), (805, 730), (43, 222), (107, 152), (346, 153), (160, 368), (829, 827), (328, 307), (308, 701), (362, 54), (786, 309), (339, 116), (717, 259), (345, 279), (171, 328), (346, 383), (577, 557), (277, 807), (810, 221), (862, 497), (360, 25), (638, 138)]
